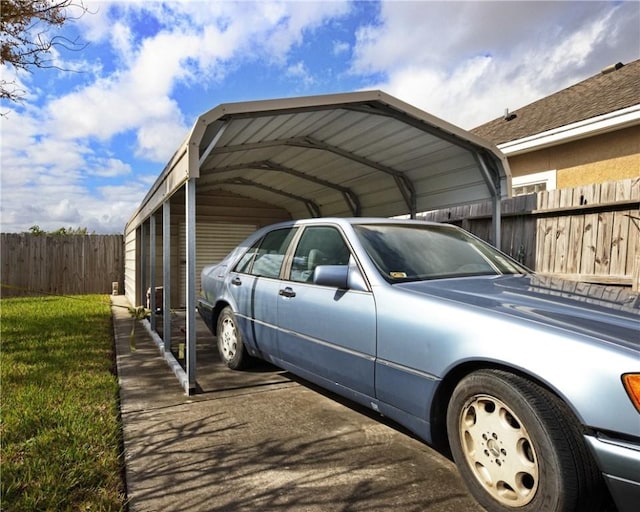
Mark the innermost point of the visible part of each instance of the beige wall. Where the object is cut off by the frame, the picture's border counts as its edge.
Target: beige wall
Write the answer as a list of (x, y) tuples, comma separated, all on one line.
[(607, 157)]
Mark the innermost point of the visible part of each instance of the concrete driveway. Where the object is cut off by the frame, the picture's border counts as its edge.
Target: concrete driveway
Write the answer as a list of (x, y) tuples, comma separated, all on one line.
[(264, 440)]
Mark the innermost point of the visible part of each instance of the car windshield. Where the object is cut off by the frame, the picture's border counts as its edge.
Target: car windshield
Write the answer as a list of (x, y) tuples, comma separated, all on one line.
[(411, 252)]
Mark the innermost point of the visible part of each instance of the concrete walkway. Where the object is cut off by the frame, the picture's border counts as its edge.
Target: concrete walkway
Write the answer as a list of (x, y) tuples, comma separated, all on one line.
[(263, 440)]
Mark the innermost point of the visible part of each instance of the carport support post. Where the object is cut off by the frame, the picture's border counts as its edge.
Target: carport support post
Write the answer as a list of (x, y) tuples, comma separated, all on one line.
[(143, 266), (190, 207), (496, 220), (166, 275), (152, 270)]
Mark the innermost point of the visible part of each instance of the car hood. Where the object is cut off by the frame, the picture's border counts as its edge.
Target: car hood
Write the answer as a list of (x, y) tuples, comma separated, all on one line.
[(607, 313)]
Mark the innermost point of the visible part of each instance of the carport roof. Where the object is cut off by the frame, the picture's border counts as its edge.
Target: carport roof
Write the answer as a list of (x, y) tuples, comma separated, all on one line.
[(354, 154)]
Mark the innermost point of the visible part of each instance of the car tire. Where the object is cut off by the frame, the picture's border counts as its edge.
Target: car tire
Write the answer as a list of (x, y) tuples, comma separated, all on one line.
[(519, 447), (229, 339)]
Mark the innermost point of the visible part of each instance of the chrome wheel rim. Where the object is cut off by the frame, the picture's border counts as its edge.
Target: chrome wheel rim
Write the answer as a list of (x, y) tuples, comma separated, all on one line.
[(228, 339), (499, 450)]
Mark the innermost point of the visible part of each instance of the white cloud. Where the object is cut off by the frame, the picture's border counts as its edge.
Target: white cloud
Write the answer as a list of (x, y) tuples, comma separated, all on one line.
[(158, 140), (64, 211), (300, 72), (110, 167), (467, 62), (193, 42), (462, 61), (16, 82), (54, 203), (53, 150), (340, 47)]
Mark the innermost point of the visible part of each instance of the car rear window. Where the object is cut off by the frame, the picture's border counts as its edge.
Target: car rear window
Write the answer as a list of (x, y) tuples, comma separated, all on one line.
[(265, 257)]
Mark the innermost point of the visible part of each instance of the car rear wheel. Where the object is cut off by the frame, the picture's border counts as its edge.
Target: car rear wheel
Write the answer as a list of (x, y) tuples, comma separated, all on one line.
[(230, 344), (518, 446)]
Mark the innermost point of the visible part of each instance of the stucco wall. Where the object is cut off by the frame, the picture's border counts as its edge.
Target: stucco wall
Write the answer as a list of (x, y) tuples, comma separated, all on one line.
[(607, 157)]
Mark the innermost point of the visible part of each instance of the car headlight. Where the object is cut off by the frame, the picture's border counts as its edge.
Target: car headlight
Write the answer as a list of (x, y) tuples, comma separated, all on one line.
[(631, 382)]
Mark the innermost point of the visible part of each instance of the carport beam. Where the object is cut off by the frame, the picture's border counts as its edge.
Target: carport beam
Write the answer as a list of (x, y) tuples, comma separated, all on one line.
[(190, 210)]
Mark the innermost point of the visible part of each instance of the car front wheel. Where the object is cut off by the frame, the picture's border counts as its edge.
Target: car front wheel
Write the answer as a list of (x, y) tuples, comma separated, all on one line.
[(229, 339), (518, 446)]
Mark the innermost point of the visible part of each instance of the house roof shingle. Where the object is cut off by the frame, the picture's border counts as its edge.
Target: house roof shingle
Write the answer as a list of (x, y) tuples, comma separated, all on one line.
[(597, 95)]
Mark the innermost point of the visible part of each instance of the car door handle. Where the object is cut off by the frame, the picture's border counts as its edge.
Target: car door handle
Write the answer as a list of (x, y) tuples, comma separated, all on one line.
[(287, 292), (236, 281)]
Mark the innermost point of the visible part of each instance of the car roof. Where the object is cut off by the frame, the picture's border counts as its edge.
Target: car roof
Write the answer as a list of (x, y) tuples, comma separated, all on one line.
[(352, 221)]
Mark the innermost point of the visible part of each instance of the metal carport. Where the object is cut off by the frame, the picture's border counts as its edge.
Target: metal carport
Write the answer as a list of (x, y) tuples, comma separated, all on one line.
[(252, 163)]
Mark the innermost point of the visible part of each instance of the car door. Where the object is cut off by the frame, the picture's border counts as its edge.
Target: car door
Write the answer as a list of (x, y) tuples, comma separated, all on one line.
[(328, 331), (254, 284)]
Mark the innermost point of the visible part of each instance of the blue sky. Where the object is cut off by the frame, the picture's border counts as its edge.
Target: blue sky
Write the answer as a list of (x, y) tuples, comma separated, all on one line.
[(93, 134)]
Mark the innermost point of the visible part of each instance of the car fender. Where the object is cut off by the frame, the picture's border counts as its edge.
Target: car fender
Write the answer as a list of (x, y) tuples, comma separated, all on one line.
[(434, 337)]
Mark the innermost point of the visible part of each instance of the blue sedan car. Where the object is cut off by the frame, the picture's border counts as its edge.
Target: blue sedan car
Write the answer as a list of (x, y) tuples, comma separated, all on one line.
[(534, 390)]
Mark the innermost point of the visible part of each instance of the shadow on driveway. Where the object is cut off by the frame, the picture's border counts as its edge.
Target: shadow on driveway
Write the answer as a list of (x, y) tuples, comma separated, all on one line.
[(264, 440)]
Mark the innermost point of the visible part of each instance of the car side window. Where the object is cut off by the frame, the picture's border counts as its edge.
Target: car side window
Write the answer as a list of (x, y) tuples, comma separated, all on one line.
[(319, 245), (265, 257)]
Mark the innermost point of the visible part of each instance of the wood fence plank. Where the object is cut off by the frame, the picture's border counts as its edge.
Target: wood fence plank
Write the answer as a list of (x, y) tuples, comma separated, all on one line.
[(552, 229), (619, 244), (563, 231), (574, 249), (605, 231), (576, 235), (635, 188), (591, 195), (633, 240), (623, 189)]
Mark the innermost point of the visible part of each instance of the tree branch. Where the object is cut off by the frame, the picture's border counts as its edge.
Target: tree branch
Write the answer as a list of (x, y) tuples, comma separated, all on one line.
[(26, 37)]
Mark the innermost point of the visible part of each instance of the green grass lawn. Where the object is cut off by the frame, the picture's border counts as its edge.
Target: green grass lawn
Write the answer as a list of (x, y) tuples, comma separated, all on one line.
[(59, 425)]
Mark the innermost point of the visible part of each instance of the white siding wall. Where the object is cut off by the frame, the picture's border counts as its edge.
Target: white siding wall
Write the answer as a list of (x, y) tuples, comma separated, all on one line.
[(130, 273)]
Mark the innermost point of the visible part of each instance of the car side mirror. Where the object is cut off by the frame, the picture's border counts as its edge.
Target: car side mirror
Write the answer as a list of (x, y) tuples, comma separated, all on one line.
[(339, 276), (335, 276)]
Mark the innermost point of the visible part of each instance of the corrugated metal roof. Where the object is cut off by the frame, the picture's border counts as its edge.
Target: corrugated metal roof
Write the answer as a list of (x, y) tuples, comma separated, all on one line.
[(353, 154)]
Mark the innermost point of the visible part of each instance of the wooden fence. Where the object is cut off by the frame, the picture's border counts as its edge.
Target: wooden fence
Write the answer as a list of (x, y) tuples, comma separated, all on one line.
[(60, 264), (589, 233)]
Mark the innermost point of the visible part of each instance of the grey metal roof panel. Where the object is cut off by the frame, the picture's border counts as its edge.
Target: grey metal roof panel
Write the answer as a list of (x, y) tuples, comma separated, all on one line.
[(362, 151)]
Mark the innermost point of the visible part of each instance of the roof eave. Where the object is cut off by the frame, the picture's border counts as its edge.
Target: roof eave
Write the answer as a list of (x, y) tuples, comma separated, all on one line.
[(609, 122)]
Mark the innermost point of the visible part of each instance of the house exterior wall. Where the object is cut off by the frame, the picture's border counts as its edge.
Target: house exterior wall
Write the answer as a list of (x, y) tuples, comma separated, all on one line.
[(607, 157), (131, 274)]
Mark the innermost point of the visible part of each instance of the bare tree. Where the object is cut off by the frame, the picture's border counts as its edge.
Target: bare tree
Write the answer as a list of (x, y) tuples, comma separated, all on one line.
[(27, 36)]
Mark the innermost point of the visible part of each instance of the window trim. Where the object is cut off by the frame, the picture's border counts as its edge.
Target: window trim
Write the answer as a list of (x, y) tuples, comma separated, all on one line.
[(546, 177)]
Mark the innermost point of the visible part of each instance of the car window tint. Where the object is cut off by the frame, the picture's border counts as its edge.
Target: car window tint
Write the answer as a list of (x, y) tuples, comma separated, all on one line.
[(319, 245), (245, 262), (265, 257), (406, 253)]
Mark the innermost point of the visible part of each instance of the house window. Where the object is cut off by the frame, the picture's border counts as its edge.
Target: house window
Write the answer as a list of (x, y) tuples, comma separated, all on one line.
[(536, 182)]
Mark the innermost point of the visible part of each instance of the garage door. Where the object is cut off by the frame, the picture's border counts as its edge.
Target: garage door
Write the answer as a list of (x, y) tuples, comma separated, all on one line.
[(213, 242)]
